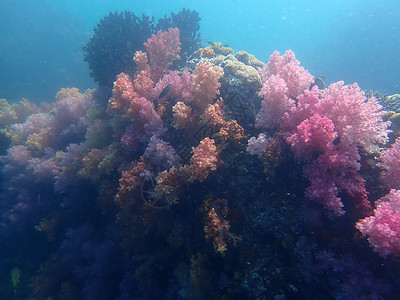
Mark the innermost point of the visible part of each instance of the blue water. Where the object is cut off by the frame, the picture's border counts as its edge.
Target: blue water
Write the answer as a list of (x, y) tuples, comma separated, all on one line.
[(354, 41)]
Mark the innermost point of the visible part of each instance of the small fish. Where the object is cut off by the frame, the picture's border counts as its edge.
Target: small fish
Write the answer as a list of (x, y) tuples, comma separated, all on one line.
[(15, 278), (336, 141), (165, 91), (319, 82), (294, 99)]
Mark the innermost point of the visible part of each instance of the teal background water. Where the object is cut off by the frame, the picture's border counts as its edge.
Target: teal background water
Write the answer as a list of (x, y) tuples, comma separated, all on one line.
[(355, 41)]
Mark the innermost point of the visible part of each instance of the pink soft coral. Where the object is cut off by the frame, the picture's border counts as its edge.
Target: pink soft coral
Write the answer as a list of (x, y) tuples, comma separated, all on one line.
[(127, 100), (335, 171), (276, 102), (390, 165), (205, 85), (123, 93), (325, 130), (205, 160), (383, 228), (288, 68), (283, 80), (313, 135), (162, 49), (357, 120), (181, 83)]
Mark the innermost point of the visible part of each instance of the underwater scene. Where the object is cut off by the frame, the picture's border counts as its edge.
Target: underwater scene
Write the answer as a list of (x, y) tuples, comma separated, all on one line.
[(199, 150)]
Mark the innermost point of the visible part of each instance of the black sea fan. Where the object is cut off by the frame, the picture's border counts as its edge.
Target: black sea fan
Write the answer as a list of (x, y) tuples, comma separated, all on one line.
[(111, 49)]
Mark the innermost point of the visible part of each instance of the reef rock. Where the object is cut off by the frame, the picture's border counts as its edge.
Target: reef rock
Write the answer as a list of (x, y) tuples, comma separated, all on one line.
[(237, 73), (249, 59)]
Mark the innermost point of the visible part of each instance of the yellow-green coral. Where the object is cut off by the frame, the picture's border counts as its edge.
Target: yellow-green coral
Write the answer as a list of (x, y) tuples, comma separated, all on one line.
[(249, 59), (7, 113), (15, 113), (218, 48), (39, 141)]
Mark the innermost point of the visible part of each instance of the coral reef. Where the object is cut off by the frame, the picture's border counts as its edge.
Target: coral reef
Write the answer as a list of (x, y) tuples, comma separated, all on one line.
[(195, 181)]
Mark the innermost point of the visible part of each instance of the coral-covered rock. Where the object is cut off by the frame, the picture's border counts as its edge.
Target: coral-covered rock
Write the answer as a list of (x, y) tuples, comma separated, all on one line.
[(249, 59), (239, 74)]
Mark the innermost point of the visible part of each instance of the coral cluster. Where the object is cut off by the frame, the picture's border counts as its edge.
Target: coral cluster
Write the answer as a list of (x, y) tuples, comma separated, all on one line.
[(326, 130)]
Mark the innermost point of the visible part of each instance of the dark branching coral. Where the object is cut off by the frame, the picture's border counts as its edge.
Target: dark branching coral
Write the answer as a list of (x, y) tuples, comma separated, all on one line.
[(188, 23), (116, 38)]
